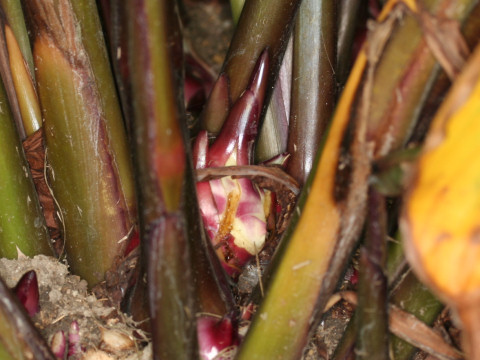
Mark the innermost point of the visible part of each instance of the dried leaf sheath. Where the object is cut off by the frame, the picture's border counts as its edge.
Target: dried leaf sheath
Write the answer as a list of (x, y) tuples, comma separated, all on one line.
[(34, 146), (89, 176)]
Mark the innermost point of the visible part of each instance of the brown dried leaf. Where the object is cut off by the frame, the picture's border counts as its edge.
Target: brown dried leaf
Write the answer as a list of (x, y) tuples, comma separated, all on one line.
[(446, 42), (34, 147), (409, 328)]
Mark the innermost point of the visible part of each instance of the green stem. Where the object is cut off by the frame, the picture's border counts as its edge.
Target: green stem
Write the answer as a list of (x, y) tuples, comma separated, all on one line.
[(237, 6), (415, 298), (91, 174), (17, 68), (22, 223), (350, 13)]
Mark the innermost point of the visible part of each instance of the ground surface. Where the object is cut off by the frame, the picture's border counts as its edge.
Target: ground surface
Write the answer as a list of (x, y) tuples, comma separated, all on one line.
[(64, 298)]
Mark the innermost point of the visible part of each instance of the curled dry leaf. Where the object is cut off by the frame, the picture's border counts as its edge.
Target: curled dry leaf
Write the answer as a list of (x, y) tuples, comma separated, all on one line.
[(34, 146), (407, 327)]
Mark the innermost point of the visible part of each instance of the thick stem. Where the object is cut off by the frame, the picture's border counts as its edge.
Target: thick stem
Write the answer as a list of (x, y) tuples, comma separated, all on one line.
[(94, 185), (372, 317), (313, 84), (21, 220)]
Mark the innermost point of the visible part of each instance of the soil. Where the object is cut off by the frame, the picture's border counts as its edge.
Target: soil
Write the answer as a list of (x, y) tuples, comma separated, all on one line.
[(208, 29), (105, 333)]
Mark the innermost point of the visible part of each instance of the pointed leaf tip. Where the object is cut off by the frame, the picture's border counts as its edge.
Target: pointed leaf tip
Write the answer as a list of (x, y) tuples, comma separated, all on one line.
[(74, 347), (239, 130), (27, 292), (215, 335)]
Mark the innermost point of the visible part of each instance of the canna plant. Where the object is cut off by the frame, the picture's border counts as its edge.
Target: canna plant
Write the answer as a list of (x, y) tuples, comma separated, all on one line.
[(179, 285)]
